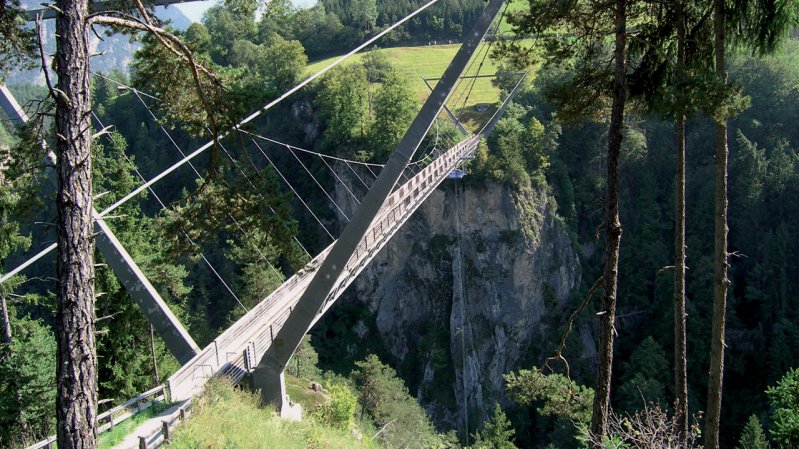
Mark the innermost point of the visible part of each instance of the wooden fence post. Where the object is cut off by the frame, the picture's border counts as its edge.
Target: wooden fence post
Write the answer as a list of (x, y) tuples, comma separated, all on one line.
[(142, 442)]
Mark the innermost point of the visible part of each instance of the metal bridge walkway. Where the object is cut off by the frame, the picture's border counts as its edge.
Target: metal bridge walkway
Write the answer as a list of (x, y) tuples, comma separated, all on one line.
[(236, 351)]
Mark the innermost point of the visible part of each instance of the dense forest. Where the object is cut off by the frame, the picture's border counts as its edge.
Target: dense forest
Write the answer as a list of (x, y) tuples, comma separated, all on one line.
[(223, 233)]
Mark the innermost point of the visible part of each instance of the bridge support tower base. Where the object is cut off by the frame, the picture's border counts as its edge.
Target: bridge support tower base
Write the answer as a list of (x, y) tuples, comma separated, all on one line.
[(270, 381)]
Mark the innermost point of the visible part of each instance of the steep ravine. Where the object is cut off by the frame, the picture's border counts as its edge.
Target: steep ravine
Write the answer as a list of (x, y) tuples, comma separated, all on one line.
[(467, 290)]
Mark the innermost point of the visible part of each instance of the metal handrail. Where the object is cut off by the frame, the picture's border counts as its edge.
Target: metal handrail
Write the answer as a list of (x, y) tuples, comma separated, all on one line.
[(138, 401)]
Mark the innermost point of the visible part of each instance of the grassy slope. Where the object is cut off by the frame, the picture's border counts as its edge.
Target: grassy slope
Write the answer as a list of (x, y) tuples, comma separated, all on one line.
[(228, 418), (430, 62)]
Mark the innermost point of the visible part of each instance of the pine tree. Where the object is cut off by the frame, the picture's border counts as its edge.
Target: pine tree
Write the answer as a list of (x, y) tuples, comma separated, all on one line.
[(784, 401), (496, 434), (753, 437)]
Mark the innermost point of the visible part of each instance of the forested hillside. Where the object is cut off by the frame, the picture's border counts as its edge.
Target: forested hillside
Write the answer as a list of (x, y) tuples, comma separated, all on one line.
[(476, 327)]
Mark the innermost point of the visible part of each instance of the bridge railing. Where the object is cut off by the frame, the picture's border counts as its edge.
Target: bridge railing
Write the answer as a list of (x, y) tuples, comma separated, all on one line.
[(110, 418), (236, 351)]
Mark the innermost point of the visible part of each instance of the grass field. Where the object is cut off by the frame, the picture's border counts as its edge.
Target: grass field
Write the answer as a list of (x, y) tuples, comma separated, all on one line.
[(513, 7), (430, 62)]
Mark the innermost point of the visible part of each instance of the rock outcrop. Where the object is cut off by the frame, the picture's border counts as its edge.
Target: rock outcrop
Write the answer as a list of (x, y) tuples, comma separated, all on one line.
[(462, 294)]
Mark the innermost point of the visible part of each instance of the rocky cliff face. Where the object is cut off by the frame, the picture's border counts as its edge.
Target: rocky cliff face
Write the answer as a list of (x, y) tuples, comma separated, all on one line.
[(466, 292)]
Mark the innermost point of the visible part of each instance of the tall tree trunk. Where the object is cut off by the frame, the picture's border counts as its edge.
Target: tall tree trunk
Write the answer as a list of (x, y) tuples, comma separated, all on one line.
[(76, 373), (680, 348), (599, 416), (7, 338), (720, 281), (5, 156)]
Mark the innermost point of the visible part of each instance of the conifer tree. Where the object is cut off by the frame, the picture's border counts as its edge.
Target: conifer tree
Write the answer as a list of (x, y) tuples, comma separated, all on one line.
[(752, 436)]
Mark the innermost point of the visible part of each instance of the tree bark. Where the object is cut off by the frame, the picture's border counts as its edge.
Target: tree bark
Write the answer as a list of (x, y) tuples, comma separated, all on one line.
[(720, 281), (76, 374), (7, 337), (5, 156), (680, 348), (601, 405)]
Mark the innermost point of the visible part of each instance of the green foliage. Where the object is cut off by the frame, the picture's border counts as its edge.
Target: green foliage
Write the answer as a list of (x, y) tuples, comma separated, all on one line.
[(226, 25), (197, 37), (784, 401), (27, 384), (27, 362), (519, 150), (552, 394), (645, 377), (394, 109), (378, 67), (304, 361), (385, 400), (155, 69), (18, 46), (225, 417), (496, 434), (281, 64), (339, 411), (752, 436), (343, 103)]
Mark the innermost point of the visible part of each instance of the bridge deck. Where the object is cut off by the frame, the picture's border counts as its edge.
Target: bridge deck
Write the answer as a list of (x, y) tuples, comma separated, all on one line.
[(236, 351)]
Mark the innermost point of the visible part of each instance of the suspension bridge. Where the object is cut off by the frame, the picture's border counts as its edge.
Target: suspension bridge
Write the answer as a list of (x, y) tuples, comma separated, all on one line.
[(260, 344)]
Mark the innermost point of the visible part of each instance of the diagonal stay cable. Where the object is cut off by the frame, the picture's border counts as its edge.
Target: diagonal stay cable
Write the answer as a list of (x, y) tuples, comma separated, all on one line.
[(271, 209), (370, 171), (284, 179), (303, 150), (293, 190), (211, 143), (357, 175), (485, 56), (341, 181), (322, 156), (185, 234), (139, 95), (255, 189), (196, 172), (319, 185)]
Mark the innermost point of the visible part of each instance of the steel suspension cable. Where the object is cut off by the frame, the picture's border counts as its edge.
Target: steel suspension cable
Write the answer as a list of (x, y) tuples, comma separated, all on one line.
[(315, 153), (196, 172), (319, 185), (340, 181), (210, 143), (185, 234), (322, 156), (271, 209), (139, 95), (488, 50), (357, 175), (293, 190)]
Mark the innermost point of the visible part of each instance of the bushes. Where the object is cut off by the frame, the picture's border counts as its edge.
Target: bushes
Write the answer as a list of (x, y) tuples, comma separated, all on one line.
[(339, 411)]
